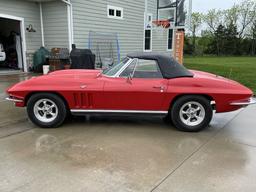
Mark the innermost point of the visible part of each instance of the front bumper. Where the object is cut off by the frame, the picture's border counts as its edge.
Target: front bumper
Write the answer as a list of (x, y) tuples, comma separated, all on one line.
[(251, 101), (19, 102), (14, 100)]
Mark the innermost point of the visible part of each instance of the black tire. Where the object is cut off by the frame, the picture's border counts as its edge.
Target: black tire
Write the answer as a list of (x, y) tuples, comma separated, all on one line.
[(59, 104), (178, 106)]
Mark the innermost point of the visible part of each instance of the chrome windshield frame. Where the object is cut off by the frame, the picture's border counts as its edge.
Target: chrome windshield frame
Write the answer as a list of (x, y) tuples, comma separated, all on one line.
[(121, 69), (128, 64)]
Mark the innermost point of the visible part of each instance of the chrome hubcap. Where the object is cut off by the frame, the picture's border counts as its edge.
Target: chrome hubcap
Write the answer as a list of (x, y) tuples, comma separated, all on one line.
[(192, 113), (45, 110)]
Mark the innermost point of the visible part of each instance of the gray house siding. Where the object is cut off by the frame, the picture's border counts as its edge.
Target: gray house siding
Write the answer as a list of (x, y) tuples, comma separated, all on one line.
[(92, 15), (89, 15), (55, 24), (30, 12)]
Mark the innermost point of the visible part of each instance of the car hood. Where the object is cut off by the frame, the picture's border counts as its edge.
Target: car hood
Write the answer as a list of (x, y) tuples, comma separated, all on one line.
[(75, 73), (63, 79), (69, 75)]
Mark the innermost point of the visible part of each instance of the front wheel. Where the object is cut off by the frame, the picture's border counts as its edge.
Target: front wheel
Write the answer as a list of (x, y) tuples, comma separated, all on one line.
[(46, 110), (191, 113)]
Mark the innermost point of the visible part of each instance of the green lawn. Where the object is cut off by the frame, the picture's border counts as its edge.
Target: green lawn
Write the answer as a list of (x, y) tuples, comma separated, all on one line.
[(241, 69)]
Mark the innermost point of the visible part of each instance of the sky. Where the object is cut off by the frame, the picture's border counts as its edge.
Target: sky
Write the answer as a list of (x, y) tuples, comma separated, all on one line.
[(205, 5)]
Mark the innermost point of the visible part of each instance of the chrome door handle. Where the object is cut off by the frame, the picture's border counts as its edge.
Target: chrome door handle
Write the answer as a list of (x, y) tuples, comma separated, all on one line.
[(159, 87)]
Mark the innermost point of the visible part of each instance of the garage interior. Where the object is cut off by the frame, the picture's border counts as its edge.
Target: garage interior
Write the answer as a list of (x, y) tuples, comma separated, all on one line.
[(10, 38)]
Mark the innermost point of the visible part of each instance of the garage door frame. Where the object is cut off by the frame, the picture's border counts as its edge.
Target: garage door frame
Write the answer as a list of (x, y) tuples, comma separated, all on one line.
[(23, 38)]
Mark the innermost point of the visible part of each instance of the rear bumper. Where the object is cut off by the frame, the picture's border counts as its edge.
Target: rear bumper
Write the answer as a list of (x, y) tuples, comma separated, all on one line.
[(251, 101), (2, 56)]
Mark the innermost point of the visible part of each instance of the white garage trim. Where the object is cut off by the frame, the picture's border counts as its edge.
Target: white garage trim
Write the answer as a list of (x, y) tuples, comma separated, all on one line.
[(23, 38), (70, 22), (42, 23)]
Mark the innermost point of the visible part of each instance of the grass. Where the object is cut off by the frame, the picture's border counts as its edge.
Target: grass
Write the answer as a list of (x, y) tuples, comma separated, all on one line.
[(241, 69)]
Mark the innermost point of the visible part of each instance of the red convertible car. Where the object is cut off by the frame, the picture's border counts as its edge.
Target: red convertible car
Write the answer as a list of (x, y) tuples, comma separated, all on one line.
[(143, 83)]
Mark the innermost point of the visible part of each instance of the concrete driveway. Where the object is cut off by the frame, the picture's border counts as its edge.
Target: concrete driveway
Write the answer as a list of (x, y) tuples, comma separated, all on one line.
[(126, 154)]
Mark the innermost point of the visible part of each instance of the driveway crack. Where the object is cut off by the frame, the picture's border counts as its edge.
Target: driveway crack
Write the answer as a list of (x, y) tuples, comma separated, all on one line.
[(194, 152), (248, 145)]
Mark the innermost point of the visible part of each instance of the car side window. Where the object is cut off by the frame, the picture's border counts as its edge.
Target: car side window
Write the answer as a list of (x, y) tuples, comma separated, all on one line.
[(147, 69), (129, 69)]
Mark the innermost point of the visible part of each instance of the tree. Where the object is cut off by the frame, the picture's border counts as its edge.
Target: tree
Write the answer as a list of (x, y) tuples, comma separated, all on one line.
[(229, 32), (242, 17), (224, 41), (253, 37), (231, 41), (219, 37), (246, 16), (214, 18), (205, 42), (232, 15), (188, 48), (196, 22)]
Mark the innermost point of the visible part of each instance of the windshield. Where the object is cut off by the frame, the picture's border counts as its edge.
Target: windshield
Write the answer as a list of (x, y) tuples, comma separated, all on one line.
[(112, 70)]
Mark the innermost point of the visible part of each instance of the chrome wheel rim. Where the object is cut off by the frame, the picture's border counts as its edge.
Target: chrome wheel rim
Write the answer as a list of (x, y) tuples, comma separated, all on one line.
[(192, 113), (45, 110)]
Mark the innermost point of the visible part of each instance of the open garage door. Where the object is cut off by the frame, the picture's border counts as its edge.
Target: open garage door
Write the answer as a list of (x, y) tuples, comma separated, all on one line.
[(12, 44)]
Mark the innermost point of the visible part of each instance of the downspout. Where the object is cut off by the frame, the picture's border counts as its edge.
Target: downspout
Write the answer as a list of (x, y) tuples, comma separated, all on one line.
[(42, 23), (175, 30), (70, 22)]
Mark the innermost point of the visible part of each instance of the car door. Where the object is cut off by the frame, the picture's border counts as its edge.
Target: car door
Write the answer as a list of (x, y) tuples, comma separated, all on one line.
[(139, 87)]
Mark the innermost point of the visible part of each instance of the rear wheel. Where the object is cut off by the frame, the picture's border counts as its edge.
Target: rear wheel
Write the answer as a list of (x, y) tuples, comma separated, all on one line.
[(46, 110), (191, 113)]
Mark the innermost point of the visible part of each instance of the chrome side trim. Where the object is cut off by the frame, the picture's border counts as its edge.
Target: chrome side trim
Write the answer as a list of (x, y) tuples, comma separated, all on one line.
[(116, 111), (250, 102), (14, 100)]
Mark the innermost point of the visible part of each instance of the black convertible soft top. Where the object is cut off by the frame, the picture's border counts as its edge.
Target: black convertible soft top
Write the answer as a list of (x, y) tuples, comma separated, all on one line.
[(169, 67)]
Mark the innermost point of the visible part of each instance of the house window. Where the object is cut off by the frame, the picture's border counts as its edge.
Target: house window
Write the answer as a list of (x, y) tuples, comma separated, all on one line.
[(111, 12), (148, 21), (118, 13), (148, 32), (150, 18), (147, 40), (115, 12), (170, 39)]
